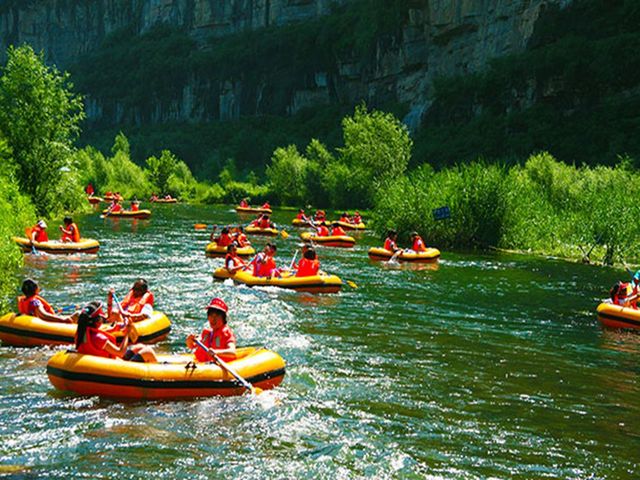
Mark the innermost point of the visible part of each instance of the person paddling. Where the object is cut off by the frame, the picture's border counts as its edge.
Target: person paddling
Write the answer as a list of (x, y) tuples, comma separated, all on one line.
[(264, 265), (390, 242), (137, 304), (322, 230), (216, 334), (240, 238), (70, 231), (357, 219), (224, 239), (32, 304), (244, 203), (91, 340)]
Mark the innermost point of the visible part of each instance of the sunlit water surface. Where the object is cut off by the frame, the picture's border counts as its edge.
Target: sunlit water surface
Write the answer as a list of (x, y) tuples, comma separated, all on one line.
[(487, 366)]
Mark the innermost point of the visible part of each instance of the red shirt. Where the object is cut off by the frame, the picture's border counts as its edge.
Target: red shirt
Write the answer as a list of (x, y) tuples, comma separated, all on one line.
[(338, 232), (219, 339)]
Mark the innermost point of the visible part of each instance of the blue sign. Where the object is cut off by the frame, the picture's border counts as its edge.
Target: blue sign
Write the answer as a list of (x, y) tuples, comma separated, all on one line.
[(441, 213)]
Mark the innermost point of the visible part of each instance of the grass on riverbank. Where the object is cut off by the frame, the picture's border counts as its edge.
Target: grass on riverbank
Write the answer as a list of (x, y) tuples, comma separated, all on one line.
[(544, 207)]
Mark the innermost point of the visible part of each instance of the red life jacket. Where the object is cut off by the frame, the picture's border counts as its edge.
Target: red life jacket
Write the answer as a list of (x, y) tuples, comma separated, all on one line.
[(135, 305), (241, 239), (218, 340), (357, 219), (234, 259), (134, 207), (266, 205), (116, 208), (344, 219), (244, 204), (89, 348), (264, 223), (25, 307), (338, 232), (307, 267), (264, 269), (390, 245), (323, 231), (300, 216), (41, 234), (418, 245), (224, 240)]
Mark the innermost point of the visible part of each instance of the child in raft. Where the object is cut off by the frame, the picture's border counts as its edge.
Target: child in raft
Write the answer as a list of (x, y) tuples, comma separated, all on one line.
[(32, 304), (244, 203), (232, 261), (417, 244), (216, 335), (240, 238), (70, 231), (357, 219), (135, 205), (337, 230), (309, 265), (137, 304), (390, 242), (322, 230), (91, 340), (264, 264), (224, 239)]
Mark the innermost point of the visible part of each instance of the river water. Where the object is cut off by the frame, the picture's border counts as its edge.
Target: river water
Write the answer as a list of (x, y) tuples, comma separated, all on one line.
[(488, 366)]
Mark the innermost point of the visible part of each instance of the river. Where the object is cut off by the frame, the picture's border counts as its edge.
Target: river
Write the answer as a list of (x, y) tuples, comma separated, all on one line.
[(487, 366)]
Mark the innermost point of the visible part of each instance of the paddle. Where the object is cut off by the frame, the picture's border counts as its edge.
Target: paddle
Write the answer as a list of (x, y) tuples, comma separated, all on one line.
[(284, 234), (105, 215), (293, 260), (133, 333), (225, 366)]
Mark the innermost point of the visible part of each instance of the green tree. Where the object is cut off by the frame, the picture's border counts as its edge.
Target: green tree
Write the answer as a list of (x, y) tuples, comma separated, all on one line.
[(121, 144), (287, 175), (40, 117), (159, 169), (377, 149)]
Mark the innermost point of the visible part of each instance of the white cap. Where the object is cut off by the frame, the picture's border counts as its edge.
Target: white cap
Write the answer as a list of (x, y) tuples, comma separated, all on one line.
[(42, 223)]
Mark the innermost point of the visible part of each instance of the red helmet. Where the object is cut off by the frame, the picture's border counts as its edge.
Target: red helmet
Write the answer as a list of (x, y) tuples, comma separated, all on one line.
[(218, 304)]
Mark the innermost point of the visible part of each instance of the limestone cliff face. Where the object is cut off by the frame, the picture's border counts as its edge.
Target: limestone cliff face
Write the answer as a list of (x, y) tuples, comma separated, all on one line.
[(440, 38)]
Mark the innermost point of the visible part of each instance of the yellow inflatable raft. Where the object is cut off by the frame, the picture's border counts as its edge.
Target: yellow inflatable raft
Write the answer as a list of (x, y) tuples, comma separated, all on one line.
[(253, 210), (428, 256), (213, 250), (617, 316), (351, 226), (341, 241), (312, 284), (94, 200), (27, 331), (165, 200), (270, 232), (174, 376), (128, 213), (85, 245)]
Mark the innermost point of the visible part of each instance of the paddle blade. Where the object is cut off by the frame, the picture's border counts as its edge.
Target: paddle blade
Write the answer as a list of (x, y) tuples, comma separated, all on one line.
[(257, 390), (352, 284), (133, 334), (200, 226), (284, 234)]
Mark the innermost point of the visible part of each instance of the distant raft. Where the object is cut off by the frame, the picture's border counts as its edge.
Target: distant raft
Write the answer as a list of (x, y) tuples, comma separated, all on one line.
[(56, 247), (253, 210), (312, 284), (27, 331), (214, 250), (174, 376), (94, 200), (617, 316), (340, 241), (350, 226), (165, 200), (128, 213), (270, 232), (429, 256)]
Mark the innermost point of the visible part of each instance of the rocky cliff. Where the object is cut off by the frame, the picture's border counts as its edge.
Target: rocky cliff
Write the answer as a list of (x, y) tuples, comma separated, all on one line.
[(436, 38)]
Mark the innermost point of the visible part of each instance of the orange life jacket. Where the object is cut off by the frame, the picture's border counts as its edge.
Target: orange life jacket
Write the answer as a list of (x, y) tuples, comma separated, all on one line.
[(135, 305), (418, 245), (87, 346), (307, 267), (74, 236), (235, 259), (24, 305), (241, 239), (338, 232)]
